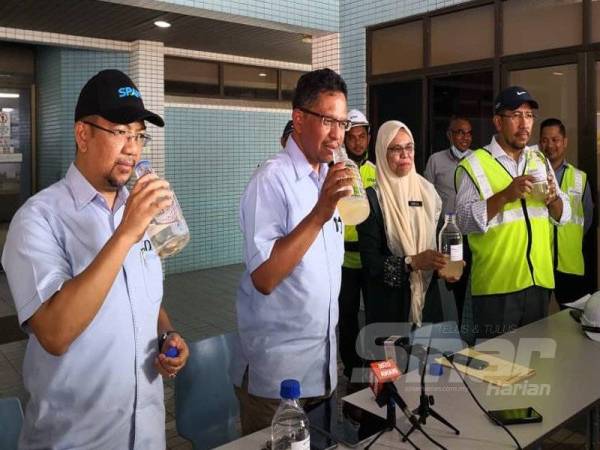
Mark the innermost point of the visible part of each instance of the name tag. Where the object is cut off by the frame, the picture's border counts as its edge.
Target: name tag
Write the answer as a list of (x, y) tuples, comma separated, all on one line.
[(415, 203)]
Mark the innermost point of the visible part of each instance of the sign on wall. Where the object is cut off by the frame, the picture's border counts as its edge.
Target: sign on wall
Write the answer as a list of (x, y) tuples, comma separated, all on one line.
[(4, 132)]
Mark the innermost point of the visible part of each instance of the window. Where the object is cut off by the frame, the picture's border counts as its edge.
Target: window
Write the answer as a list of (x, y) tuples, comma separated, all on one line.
[(462, 36), (532, 25), (189, 77), (397, 48), (289, 79), (250, 82)]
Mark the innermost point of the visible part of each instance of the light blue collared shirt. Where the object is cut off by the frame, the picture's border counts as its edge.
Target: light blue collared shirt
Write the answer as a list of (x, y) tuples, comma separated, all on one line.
[(104, 392), (291, 332)]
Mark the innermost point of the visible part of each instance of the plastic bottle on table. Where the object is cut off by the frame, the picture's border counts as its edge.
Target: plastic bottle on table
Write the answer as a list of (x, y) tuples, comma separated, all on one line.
[(168, 230), (289, 428), (353, 209), (451, 245)]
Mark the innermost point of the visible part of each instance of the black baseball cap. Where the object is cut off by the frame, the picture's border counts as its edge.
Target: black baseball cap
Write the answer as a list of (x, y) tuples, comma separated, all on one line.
[(111, 94), (512, 97)]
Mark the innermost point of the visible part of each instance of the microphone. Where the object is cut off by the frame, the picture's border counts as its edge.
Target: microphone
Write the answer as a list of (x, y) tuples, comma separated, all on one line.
[(382, 377)]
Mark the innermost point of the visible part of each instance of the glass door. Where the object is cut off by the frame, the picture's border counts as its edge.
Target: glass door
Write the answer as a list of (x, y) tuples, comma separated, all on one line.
[(15, 152)]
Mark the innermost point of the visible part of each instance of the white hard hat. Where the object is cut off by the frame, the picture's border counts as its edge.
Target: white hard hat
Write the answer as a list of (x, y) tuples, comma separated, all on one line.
[(590, 319), (357, 119)]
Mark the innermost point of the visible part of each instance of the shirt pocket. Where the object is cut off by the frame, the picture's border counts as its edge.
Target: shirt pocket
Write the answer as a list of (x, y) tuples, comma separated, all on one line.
[(153, 276)]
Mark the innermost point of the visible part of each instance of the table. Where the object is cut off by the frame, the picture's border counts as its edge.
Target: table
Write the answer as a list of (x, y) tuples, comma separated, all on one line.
[(566, 383)]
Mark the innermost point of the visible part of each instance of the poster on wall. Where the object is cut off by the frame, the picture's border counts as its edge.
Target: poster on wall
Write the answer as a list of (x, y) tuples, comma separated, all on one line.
[(5, 132)]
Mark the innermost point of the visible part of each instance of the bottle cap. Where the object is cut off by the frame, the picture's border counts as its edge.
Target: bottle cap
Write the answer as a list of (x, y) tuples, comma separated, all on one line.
[(290, 389), (436, 369), (172, 352)]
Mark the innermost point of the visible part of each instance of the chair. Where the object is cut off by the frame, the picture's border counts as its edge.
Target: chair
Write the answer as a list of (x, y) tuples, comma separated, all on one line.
[(206, 407), (11, 421)]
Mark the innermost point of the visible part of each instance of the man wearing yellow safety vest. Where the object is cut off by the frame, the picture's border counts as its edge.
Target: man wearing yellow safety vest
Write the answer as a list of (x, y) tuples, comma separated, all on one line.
[(354, 281), (567, 246), (506, 200)]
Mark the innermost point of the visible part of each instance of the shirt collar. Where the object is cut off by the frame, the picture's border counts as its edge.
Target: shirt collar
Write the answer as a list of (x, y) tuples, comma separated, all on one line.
[(497, 151), (458, 154), (83, 192), (300, 163)]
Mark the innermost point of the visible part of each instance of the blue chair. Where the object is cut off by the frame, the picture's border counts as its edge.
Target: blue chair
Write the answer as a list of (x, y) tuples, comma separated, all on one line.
[(11, 421), (206, 408)]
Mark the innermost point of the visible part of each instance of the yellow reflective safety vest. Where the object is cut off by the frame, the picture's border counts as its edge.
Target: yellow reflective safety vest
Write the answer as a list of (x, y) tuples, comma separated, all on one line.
[(568, 238), (352, 256), (515, 251)]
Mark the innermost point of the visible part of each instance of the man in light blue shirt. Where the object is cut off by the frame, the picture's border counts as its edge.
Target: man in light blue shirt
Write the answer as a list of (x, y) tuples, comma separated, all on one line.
[(88, 287), (287, 301)]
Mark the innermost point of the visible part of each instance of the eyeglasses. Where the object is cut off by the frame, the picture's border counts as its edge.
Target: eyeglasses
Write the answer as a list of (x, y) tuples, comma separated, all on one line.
[(398, 150), (123, 136), (517, 116), (327, 121), (462, 133)]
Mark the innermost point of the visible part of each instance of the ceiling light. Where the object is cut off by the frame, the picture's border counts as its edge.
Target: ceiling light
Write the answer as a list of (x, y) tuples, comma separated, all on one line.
[(262, 74), (7, 109), (307, 39), (8, 95), (559, 74), (162, 24)]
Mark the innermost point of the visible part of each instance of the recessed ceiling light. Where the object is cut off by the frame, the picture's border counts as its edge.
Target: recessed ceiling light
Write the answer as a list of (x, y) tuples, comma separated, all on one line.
[(8, 95), (162, 24), (262, 74), (307, 39), (558, 73)]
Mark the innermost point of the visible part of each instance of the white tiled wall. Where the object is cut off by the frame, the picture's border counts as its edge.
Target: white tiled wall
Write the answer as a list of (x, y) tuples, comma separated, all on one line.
[(326, 52)]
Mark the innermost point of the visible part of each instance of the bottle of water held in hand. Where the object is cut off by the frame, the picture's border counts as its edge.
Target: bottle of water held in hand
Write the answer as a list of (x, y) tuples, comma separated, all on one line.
[(450, 244), (168, 230), (536, 167), (289, 428), (354, 208)]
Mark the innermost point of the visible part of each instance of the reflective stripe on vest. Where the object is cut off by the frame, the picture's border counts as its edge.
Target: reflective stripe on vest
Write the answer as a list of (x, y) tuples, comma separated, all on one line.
[(515, 251), (352, 256), (569, 237)]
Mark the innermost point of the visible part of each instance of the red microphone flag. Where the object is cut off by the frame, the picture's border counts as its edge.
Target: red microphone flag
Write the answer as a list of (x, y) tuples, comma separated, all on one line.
[(382, 372)]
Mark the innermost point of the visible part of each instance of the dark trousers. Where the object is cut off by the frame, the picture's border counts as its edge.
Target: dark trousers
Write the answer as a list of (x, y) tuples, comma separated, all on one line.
[(569, 287), (494, 315), (353, 282)]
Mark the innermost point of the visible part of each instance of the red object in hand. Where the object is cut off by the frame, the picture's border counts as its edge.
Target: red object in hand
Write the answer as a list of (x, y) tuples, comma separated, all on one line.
[(383, 372)]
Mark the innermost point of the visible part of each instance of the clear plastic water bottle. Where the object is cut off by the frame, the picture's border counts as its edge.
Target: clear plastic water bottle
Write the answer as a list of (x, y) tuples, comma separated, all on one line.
[(289, 428), (536, 167), (168, 230), (451, 245), (354, 208)]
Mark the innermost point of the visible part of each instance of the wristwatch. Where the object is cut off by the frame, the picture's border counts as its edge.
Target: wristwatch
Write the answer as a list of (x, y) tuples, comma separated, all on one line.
[(407, 263), (163, 337)]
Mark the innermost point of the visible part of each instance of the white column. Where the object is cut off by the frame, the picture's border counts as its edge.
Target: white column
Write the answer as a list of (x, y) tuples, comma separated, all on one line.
[(146, 69), (326, 52)]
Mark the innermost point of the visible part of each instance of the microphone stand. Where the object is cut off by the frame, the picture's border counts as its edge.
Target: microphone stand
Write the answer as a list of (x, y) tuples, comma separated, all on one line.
[(391, 424), (424, 409)]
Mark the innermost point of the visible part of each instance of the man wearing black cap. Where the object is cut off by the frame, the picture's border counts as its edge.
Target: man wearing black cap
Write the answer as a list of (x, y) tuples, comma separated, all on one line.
[(506, 203), (88, 291)]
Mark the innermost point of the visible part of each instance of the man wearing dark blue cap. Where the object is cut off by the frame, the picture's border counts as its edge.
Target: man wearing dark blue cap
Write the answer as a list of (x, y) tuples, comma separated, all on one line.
[(507, 198), (88, 292)]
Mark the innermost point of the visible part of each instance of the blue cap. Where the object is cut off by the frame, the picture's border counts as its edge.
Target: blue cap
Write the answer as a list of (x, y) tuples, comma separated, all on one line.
[(290, 389), (512, 97), (172, 352), (436, 369)]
